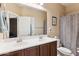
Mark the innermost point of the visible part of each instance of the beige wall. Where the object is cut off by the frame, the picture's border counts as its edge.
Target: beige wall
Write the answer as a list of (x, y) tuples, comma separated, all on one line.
[(25, 11), (12, 7), (56, 10), (39, 15), (72, 8)]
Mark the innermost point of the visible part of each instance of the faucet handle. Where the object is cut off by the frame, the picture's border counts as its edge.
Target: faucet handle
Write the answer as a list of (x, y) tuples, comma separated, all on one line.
[(41, 37), (19, 40)]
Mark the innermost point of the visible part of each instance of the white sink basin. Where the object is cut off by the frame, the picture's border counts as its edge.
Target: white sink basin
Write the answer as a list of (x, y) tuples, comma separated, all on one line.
[(31, 40)]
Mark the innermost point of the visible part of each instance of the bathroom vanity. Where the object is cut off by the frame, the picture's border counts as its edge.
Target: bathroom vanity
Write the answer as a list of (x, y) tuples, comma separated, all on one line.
[(30, 47), (48, 49)]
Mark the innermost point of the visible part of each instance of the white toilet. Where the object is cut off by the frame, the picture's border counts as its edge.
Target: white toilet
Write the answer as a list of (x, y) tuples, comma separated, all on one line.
[(62, 51)]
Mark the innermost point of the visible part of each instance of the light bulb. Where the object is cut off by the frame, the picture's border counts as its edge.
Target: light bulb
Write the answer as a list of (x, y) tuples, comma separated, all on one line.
[(41, 3)]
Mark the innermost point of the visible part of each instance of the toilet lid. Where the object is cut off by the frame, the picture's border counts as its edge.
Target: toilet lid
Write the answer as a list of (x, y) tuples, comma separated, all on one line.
[(64, 50)]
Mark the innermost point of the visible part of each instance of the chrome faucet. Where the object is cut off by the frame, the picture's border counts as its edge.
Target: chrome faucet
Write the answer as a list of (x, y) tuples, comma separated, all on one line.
[(40, 37), (19, 40)]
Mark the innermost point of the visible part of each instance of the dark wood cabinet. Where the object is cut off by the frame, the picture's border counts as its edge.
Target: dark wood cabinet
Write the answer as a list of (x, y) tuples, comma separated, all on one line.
[(21, 53), (44, 49), (48, 49), (33, 51), (53, 48)]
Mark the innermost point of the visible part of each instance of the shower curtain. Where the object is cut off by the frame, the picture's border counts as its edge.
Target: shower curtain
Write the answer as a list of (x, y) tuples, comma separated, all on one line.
[(3, 24), (69, 31)]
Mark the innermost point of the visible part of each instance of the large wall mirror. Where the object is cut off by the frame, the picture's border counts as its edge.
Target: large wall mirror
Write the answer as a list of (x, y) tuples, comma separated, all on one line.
[(16, 26)]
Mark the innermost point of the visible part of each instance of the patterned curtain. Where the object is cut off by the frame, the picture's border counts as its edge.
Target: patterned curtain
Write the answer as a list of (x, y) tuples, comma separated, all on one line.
[(69, 31)]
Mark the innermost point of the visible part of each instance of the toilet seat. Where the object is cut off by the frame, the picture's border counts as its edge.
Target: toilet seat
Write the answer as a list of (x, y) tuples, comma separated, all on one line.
[(64, 51)]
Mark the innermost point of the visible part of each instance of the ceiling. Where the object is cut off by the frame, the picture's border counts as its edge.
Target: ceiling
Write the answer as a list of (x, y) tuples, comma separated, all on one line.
[(69, 4), (39, 6), (64, 4)]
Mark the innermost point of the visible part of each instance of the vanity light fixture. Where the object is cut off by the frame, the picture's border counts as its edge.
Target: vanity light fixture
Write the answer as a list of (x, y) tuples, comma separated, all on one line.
[(41, 4), (35, 5)]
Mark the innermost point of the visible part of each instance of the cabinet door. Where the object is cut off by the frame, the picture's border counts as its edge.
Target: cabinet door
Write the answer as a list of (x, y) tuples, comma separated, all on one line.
[(53, 48), (44, 50), (33, 51), (21, 52)]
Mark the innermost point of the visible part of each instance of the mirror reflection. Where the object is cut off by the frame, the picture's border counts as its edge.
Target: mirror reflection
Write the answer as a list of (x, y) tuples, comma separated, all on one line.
[(19, 20)]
